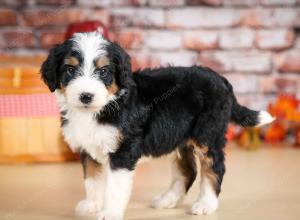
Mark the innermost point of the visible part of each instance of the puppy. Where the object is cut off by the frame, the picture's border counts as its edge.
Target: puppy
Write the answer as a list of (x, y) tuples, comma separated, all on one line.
[(113, 117)]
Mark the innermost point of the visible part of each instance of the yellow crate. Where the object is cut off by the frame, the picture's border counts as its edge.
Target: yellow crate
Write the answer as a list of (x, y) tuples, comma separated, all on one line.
[(31, 138)]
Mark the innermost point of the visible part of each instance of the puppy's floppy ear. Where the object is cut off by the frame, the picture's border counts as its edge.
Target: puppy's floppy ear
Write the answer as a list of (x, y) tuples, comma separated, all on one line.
[(50, 67), (121, 61)]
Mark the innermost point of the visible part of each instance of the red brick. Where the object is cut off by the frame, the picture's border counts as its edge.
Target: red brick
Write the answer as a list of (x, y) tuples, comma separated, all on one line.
[(281, 17), (237, 38), (275, 39), (266, 84), (95, 3), (7, 17), (96, 14), (142, 17), (55, 2), (129, 39), (278, 2), (297, 42), (240, 2), (204, 2), (165, 3), (180, 58), (59, 16), (162, 40), (297, 20), (200, 40), (197, 17), (211, 62), (156, 59), (242, 83), (287, 85), (278, 84), (50, 38), (16, 3), (18, 39), (129, 2), (140, 60), (238, 61), (256, 101), (288, 61)]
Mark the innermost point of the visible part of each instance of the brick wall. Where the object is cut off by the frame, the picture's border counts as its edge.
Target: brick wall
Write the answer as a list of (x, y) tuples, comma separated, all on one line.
[(254, 43)]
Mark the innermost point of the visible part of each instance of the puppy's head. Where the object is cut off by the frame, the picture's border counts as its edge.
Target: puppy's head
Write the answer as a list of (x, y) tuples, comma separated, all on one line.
[(89, 70)]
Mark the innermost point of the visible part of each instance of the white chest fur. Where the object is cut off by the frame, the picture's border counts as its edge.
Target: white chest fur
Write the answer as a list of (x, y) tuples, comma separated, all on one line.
[(83, 132)]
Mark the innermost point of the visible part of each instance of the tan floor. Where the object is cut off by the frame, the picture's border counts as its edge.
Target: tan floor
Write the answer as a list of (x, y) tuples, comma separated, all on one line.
[(263, 184)]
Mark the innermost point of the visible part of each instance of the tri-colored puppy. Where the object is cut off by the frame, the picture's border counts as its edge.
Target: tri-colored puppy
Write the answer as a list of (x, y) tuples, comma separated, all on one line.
[(113, 117)]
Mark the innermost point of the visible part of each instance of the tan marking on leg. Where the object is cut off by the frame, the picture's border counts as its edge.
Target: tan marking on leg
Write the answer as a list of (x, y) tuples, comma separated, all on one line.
[(94, 181), (206, 170), (186, 164), (206, 162), (207, 201), (198, 148), (92, 168)]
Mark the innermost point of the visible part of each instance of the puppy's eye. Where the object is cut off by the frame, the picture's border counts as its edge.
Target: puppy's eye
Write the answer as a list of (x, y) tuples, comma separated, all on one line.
[(71, 69), (103, 72)]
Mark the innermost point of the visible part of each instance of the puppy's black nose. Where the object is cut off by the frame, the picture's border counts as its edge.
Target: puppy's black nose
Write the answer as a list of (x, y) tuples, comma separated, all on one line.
[(86, 97)]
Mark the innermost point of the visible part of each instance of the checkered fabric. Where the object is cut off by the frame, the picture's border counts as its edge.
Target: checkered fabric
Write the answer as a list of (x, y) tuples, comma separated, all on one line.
[(28, 105)]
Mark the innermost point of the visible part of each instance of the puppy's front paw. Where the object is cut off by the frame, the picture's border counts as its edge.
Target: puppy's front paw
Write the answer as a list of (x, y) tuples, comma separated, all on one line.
[(86, 207), (109, 216), (204, 207)]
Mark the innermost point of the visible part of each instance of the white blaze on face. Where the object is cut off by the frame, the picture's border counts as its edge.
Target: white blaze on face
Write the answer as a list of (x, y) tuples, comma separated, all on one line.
[(91, 46)]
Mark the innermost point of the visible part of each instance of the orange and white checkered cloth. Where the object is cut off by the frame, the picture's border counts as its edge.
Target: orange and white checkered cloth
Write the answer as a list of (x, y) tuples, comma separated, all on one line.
[(28, 105)]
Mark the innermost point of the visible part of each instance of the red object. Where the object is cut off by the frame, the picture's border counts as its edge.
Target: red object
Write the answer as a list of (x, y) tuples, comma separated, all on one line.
[(230, 135), (286, 107), (86, 26), (275, 133)]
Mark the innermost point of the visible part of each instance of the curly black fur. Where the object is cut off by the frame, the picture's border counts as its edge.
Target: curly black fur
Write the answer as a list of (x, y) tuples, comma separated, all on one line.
[(170, 105)]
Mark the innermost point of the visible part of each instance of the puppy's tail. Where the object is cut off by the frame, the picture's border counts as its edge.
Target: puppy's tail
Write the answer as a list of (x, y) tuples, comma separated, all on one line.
[(248, 118)]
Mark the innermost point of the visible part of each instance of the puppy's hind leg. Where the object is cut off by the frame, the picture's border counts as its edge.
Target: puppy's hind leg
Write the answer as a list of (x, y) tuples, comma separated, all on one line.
[(94, 180), (212, 171), (184, 172)]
